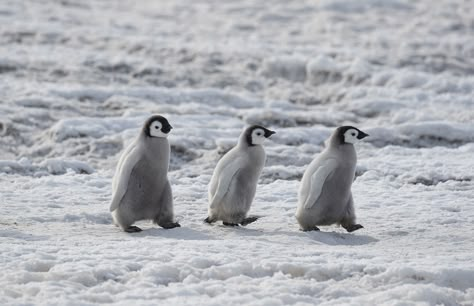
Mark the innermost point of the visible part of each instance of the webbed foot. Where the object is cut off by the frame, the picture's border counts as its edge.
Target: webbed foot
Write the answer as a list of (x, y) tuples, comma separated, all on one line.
[(353, 227), (230, 224), (133, 229), (209, 220), (249, 220), (170, 225), (315, 228)]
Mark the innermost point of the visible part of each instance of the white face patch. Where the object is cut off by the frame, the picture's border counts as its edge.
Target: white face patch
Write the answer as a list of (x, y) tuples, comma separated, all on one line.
[(350, 136), (155, 129), (258, 136)]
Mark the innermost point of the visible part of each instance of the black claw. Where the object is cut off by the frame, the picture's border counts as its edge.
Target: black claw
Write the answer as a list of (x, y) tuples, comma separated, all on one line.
[(133, 229), (353, 227), (170, 225), (230, 224), (249, 220)]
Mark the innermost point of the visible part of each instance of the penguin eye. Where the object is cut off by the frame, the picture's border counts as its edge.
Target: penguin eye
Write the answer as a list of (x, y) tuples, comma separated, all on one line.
[(353, 134), (259, 134), (156, 127)]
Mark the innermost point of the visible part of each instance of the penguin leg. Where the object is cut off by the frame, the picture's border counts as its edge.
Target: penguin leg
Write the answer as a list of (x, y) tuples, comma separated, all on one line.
[(348, 221), (165, 218), (124, 220)]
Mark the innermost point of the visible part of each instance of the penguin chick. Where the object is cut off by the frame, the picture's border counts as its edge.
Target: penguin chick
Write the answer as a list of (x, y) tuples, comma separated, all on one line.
[(141, 190), (234, 182), (325, 195)]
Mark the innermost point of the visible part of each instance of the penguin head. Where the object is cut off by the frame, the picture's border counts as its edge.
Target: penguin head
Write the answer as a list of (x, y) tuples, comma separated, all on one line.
[(350, 134), (157, 126), (256, 135)]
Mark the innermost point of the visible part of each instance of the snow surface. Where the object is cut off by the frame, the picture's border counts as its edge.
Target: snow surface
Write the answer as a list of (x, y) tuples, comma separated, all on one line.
[(78, 78)]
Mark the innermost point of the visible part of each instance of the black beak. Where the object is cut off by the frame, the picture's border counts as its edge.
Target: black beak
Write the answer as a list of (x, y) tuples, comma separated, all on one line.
[(362, 135), (269, 133), (167, 129)]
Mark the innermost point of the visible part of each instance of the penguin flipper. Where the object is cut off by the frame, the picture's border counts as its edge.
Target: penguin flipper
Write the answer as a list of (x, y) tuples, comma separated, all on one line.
[(317, 181), (122, 176), (120, 163), (225, 178)]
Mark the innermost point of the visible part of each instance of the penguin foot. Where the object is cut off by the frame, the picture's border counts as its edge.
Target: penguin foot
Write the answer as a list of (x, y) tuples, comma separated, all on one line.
[(230, 224), (353, 227), (170, 225), (133, 229), (248, 220), (316, 229), (209, 220)]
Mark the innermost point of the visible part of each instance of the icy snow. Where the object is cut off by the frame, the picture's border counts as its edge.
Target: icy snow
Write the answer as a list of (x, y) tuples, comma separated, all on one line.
[(77, 80)]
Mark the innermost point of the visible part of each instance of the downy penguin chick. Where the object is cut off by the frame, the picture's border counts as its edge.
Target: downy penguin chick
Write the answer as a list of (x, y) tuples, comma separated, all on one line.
[(141, 190), (234, 182), (325, 195)]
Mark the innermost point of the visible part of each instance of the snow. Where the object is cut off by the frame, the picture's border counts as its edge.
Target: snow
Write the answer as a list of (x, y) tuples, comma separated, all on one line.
[(78, 79), (291, 68)]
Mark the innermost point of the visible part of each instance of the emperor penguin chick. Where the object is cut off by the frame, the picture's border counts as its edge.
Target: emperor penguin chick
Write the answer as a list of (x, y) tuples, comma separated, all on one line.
[(141, 190), (235, 178), (325, 195)]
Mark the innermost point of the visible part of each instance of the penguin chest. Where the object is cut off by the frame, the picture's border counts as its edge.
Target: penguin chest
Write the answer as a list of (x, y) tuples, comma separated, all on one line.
[(243, 186), (250, 171), (340, 182), (146, 183), (336, 192)]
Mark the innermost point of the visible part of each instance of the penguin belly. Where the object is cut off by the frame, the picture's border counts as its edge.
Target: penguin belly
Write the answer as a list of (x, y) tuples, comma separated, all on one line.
[(144, 191), (331, 206), (236, 203)]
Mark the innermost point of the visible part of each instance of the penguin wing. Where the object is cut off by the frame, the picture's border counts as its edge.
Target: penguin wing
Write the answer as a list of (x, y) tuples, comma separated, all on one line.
[(317, 181), (120, 182), (224, 180), (122, 158)]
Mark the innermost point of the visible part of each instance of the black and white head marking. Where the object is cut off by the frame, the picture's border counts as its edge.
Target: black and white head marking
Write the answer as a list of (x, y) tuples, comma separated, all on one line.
[(350, 134), (157, 126), (256, 135)]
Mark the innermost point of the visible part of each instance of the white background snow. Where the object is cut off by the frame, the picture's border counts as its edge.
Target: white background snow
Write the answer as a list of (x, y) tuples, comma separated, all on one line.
[(78, 78)]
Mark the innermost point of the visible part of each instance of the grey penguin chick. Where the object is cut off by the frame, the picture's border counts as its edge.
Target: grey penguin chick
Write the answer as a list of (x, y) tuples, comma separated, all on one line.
[(325, 195), (234, 181), (141, 190)]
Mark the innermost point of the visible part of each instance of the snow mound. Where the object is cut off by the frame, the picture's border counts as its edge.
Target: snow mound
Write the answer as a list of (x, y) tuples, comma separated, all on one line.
[(323, 69), (92, 127), (373, 107), (292, 68), (206, 96), (349, 6), (423, 134), (48, 166)]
